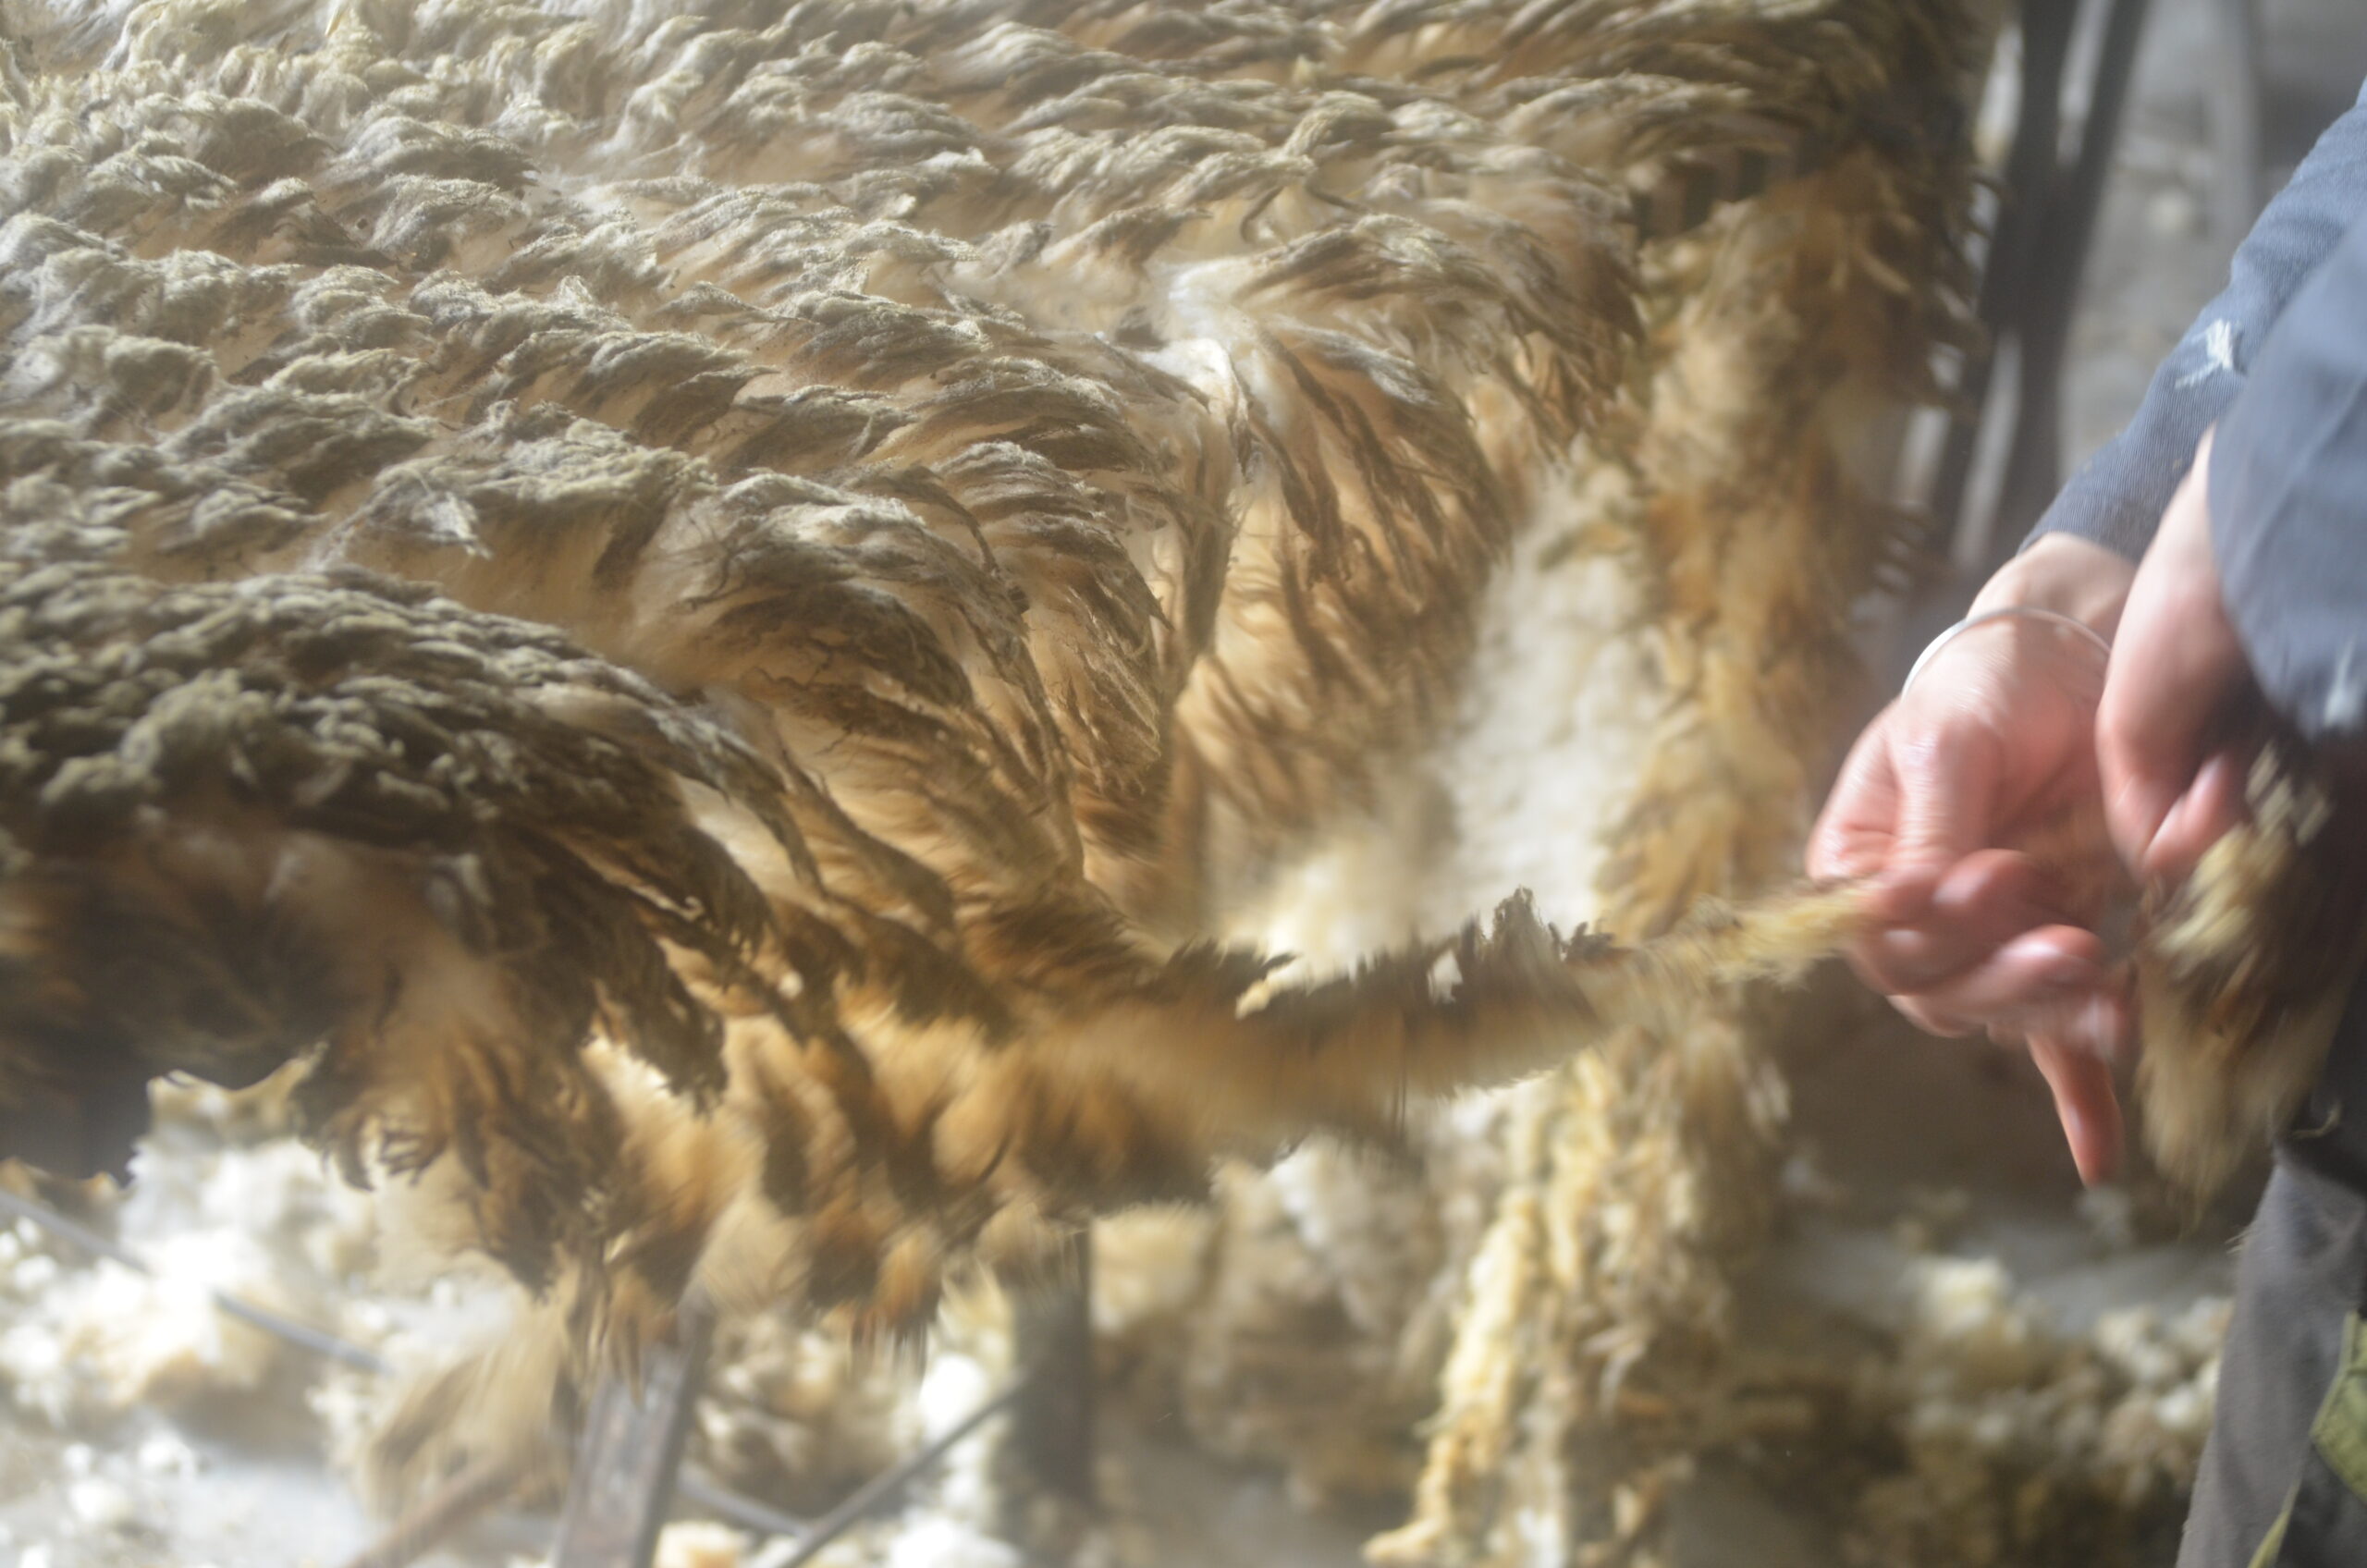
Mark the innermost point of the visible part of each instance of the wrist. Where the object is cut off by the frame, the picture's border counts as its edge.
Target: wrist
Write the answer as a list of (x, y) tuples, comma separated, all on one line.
[(2026, 617), (2067, 575)]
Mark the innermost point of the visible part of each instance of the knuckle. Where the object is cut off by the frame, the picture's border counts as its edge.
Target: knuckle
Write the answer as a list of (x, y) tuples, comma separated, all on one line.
[(1930, 1019)]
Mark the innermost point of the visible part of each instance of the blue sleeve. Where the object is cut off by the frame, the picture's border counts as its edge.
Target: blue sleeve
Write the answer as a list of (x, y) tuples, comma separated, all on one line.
[(2288, 502), (2116, 498)]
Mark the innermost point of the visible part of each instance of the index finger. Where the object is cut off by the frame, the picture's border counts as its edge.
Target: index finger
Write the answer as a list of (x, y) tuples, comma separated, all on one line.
[(1947, 792), (1851, 838)]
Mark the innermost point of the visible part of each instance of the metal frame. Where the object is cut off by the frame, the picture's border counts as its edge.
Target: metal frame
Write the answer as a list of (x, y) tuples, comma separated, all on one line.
[(628, 1470), (2029, 286), (630, 1450)]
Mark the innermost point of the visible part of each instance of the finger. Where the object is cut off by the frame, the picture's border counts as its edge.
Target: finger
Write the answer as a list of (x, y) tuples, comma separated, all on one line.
[(2038, 978), (2148, 727), (2084, 1103), (1948, 788), (1930, 1022), (1852, 835), (2175, 662), (2097, 1020), (2106, 1026), (1982, 901), (1901, 893), (2147, 765), (2202, 816)]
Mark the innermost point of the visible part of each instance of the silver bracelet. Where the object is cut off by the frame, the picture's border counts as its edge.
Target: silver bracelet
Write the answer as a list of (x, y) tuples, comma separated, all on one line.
[(2052, 618)]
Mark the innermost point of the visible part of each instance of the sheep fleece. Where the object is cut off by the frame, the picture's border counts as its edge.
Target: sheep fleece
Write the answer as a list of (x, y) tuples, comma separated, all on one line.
[(700, 611)]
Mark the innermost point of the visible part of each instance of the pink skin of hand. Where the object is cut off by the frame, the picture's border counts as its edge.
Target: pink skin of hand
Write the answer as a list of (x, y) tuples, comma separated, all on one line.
[(2168, 794), (2016, 723)]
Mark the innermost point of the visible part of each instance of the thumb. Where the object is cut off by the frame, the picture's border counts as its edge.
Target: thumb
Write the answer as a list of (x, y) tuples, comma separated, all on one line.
[(2157, 706), (2175, 664), (2139, 793), (2200, 818), (2163, 805)]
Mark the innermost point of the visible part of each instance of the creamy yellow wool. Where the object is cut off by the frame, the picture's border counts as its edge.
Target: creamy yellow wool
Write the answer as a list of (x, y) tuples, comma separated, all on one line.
[(715, 617)]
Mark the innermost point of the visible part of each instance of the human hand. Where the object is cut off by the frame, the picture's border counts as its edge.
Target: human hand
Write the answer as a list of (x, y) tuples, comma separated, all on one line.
[(1993, 741), (2172, 786)]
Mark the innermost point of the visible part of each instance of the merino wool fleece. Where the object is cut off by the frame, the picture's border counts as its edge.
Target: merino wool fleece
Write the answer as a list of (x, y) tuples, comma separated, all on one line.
[(709, 614)]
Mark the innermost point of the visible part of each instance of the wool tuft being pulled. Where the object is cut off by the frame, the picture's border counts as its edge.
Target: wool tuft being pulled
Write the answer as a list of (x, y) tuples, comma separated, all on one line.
[(715, 620)]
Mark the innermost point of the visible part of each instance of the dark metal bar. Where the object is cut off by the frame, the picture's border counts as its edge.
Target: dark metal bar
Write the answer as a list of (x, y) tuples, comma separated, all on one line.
[(884, 1486), (318, 1341), (2234, 85), (2034, 466), (694, 1489), (2031, 166), (1051, 1427), (699, 1495), (631, 1450)]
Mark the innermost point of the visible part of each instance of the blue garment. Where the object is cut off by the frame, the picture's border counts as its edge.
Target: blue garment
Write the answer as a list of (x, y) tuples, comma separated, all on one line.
[(2288, 501), (2116, 498), (2279, 362)]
